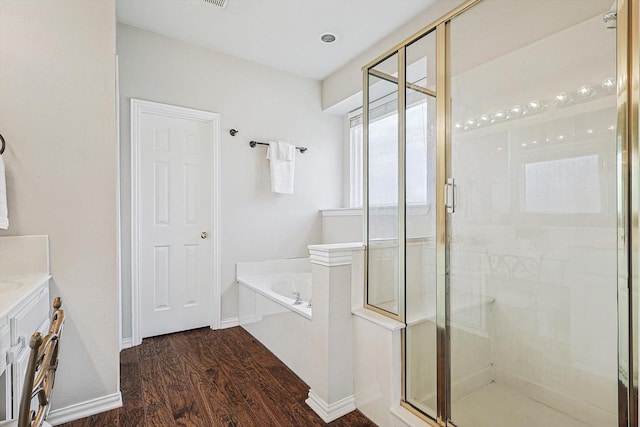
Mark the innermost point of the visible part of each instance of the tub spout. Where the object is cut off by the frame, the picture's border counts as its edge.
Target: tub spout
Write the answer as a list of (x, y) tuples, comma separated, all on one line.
[(298, 298), (309, 303)]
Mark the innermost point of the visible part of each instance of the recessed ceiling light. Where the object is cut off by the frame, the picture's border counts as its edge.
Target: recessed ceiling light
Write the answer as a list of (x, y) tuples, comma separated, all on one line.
[(328, 37)]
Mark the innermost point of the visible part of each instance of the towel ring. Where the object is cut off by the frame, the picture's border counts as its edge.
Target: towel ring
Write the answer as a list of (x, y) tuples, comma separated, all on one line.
[(3, 144)]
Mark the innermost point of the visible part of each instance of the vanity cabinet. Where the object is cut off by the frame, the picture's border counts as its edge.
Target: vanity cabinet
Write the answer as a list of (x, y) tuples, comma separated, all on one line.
[(24, 309), (31, 317), (28, 314)]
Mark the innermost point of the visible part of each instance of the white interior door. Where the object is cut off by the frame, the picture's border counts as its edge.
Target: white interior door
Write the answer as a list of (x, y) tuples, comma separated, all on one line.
[(174, 219)]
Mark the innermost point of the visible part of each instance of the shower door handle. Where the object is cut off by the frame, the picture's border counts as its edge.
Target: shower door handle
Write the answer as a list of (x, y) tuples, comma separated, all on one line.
[(450, 195)]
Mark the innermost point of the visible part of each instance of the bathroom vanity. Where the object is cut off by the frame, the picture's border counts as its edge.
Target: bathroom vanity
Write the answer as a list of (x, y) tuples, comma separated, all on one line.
[(24, 309)]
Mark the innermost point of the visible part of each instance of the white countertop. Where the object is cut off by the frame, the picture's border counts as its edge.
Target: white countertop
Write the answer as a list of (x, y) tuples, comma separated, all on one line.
[(13, 290)]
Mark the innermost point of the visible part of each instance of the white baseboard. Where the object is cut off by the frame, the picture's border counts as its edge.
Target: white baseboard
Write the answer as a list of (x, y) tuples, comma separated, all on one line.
[(85, 409), (229, 323), (126, 343), (224, 324), (247, 320), (333, 411)]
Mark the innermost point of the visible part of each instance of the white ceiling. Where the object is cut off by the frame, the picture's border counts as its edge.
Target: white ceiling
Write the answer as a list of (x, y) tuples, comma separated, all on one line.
[(283, 34)]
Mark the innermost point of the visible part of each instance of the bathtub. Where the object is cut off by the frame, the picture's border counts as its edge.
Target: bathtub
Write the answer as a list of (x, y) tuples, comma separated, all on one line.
[(282, 288), (267, 309)]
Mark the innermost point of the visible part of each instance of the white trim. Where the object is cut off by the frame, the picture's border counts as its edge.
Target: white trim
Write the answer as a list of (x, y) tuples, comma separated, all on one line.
[(355, 113), (216, 228), (356, 159), (229, 323), (341, 212), (85, 409), (118, 208), (329, 412), (138, 107), (329, 259), (378, 319), (333, 254), (126, 343), (408, 419)]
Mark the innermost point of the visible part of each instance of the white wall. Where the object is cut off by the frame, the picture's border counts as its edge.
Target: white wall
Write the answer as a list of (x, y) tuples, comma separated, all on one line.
[(342, 90), (263, 104), (57, 104)]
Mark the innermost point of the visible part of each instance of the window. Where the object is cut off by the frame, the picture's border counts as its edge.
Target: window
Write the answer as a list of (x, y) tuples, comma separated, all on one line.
[(384, 126), (563, 186)]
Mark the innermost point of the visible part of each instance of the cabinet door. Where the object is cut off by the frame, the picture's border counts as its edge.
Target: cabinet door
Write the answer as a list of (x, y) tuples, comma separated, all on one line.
[(5, 394), (30, 318), (19, 370), (5, 374)]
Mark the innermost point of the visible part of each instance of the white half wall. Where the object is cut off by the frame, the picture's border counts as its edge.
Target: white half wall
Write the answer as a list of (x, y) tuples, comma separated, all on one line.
[(263, 104), (58, 110)]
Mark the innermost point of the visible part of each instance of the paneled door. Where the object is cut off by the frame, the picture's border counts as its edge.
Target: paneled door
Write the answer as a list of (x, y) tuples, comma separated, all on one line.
[(174, 217)]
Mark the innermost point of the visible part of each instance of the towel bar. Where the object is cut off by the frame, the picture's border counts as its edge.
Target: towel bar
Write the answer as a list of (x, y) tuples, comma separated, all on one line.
[(254, 143)]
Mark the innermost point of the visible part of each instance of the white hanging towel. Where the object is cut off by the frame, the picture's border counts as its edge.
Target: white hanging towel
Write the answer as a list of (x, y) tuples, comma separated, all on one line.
[(282, 157), (4, 212)]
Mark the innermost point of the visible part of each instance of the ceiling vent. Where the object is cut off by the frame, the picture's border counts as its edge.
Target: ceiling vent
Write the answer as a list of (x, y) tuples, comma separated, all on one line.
[(219, 3)]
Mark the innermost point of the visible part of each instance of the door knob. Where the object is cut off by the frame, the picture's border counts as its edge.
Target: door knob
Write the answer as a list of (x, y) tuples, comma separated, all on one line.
[(203, 235)]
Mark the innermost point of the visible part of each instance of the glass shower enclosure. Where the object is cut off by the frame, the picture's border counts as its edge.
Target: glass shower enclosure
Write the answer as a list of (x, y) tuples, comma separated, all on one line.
[(498, 220)]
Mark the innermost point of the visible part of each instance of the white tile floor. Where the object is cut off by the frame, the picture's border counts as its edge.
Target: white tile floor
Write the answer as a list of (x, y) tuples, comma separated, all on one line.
[(499, 406)]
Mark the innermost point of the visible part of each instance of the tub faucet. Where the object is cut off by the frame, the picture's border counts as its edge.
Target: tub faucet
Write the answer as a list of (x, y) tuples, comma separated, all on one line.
[(298, 298), (309, 303)]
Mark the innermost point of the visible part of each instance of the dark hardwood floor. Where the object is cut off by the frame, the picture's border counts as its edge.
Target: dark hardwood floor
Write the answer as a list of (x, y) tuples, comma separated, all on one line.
[(210, 378)]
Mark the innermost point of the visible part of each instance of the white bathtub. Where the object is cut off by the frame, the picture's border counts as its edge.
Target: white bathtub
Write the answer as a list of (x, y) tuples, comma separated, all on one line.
[(266, 309), (283, 288)]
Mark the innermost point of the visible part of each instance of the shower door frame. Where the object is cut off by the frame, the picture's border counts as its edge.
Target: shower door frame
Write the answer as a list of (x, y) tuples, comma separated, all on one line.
[(628, 204)]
